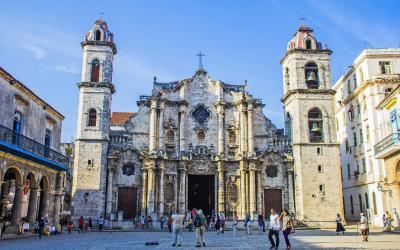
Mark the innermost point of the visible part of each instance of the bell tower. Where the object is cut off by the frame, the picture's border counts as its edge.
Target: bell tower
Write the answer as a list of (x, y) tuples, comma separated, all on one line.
[(93, 125), (309, 120)]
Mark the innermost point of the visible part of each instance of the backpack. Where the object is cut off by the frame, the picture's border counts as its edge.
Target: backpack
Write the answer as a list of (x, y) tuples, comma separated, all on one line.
[(197, 221)]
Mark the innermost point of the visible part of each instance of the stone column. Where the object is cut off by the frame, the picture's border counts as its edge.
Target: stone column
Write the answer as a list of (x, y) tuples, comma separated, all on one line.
[(290, 191), (144, 192), (259, 190), (151, 190), (17, 205), (109, 192), (242, 190), (221, 146), (161, 193), (57, 201), (252, 191), (182, 190), (44, 197), (182, 141), (152, 125), (221, 187), (250, 130), (32, 207), (161, 128), (242, 131)]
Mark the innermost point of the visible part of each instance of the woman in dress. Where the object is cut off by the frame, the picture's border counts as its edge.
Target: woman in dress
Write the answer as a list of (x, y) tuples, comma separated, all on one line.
[(339, 225), (364, 229)]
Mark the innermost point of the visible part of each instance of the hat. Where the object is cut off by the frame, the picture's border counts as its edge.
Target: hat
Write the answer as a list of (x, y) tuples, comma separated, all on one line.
[(361, 214), (200, 211)]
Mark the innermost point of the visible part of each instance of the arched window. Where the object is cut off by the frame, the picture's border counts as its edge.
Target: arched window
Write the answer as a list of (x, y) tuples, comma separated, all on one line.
[(95, 72), (288, 125), (366, 201), (311, 73), (315, 129), (351, 205), (308, 44), (232, 137), (360, 202), (17, 122), (374, 202), (97, 35), (92, 118)]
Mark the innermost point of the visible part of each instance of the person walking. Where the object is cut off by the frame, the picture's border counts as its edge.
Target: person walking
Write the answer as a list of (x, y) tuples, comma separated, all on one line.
[(217, 224), (170, 223), (339, 225), (287, 227), (42, 224), (190, 224), (222, 222), (364, 229), (90, 224), (200, 224), (274, 229), (101, 223), (70, 225), (235, 225), (261, 224), (388, 221), (177, 221), (248, 223), (81, 223)]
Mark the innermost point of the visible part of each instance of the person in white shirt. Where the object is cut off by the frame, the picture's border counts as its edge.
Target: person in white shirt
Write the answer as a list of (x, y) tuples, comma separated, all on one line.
[(364, 226), (177, 222), (274, 229)]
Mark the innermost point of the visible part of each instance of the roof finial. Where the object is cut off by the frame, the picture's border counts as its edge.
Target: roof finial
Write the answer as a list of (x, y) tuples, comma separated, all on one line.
[(302, 21), (200, 55), (101, 13)]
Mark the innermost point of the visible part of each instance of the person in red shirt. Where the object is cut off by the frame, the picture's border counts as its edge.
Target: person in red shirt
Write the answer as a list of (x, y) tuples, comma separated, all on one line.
[(170, 223), (81, 223)]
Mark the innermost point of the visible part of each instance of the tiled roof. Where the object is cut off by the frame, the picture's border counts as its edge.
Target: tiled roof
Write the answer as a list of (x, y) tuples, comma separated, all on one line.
[(119, 118)]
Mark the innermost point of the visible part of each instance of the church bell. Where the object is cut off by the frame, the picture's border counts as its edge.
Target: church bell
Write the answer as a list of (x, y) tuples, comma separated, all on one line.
[(315, 127), (311, 77)]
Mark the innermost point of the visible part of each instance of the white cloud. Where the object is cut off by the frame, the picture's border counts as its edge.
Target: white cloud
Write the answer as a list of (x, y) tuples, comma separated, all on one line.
[(69, 69), (36, 51)]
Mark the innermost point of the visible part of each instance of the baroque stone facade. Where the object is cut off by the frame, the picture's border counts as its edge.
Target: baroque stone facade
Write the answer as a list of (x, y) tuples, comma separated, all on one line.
[(196, 142)]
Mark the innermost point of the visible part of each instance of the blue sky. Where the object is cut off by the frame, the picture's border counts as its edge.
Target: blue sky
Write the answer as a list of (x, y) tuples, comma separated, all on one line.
[(40, 43)]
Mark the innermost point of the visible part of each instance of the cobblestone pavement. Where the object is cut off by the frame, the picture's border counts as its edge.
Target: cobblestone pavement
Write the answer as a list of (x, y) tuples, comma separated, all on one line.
[(304, 239)]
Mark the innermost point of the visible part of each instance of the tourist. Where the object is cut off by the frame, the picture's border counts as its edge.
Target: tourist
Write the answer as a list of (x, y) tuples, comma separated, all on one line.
[(247, 224), (21, 228), (190, 224), (261, 224), (222, 222), (339, 225), (70, 226), (287, 227), (90, 224), (106, 223), (388, 221), (364, 230), (170, 223), (177, 222), (235, 225), (200, 224), (274, 229), (42, 225), (81, 223), (217, 224), (101, 223), (148, 222), (36, 227), (162, 223)]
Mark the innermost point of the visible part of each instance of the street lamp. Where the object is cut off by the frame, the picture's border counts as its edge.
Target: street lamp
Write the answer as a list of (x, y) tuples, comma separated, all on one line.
[(380, 188)]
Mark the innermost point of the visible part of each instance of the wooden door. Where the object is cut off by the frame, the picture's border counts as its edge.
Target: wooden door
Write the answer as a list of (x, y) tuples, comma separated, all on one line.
[(127, 201), (272, 199)]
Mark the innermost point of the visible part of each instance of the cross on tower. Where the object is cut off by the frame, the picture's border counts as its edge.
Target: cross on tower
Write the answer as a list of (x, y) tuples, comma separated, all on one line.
[(200, 55), (101, 14), (302, 21)]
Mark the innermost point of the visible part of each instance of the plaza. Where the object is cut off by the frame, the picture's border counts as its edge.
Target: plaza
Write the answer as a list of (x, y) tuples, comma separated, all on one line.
[(302, 239)]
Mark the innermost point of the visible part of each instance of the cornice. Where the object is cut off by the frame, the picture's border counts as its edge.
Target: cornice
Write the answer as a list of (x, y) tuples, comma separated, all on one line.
[(305, 51), (307, 91), (97, 85), (101, 43)]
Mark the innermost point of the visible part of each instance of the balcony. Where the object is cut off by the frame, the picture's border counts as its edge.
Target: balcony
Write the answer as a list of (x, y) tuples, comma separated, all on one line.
[(387, 146), (24, 147)]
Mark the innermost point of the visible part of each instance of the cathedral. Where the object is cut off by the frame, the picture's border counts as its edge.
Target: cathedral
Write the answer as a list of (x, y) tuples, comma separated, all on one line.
[(204, 143)]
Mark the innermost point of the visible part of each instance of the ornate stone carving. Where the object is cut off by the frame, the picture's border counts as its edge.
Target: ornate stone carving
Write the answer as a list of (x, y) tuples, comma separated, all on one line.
[(201, 113)]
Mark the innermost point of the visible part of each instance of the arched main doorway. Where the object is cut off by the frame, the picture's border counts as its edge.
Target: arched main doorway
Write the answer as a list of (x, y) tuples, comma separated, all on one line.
[(44, 196)]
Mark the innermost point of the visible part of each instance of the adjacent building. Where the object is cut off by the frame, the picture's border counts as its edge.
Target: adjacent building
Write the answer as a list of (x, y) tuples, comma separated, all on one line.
[(32, 169), (362, 129)]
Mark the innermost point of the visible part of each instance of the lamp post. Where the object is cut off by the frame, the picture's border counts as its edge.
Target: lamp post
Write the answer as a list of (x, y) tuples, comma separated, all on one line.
[(389, 191)]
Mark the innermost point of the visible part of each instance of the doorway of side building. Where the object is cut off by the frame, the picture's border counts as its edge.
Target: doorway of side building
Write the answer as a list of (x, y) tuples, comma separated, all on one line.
[(201, 192)]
